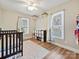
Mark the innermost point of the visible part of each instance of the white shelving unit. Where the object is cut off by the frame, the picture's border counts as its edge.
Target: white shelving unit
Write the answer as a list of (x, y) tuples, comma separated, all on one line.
[(40, 35)]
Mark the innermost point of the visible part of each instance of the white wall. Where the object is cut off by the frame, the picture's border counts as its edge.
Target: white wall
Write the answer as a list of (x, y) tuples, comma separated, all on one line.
[(41, 22), (8, 20), (71, 9)]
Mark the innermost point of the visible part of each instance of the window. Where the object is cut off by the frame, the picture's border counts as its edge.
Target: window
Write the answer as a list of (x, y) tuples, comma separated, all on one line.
[(57, 25), (23, 25)]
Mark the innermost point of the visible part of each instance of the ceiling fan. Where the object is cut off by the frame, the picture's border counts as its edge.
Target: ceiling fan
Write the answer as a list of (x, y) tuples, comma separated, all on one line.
[(29, 4)]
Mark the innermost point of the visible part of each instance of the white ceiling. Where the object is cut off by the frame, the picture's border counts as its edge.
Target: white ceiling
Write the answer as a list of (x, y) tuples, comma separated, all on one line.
[(42, 5)]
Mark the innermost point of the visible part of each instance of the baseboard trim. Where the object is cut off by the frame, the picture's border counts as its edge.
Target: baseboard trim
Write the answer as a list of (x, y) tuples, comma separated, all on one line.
[(66, 47)]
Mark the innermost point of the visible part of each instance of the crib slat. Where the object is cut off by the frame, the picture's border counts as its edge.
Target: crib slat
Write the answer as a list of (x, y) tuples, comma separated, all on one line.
[(2, 36), (10, 43), (16, 43), (22, 43), (19, 42), (21, 37), (6, 44), (13, 43)]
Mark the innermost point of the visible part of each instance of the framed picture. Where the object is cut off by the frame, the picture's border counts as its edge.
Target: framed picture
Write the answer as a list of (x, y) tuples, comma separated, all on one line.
[(57, 25)]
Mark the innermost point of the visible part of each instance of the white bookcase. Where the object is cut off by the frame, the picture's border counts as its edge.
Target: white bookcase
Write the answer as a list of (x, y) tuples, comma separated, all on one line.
[(40, 35)]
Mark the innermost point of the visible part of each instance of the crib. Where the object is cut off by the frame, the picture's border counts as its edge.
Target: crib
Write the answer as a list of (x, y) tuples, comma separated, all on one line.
[(11, 43)]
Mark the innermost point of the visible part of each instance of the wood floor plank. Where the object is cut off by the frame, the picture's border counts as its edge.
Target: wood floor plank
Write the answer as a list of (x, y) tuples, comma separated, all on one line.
[(56, 52)]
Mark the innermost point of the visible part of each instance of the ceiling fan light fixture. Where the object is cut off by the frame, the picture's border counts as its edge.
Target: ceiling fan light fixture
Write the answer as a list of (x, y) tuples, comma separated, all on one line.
[(31, 5), (31, 8)]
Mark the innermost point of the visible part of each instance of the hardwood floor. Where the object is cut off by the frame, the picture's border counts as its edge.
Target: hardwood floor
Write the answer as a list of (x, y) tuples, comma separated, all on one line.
[(56, 52)]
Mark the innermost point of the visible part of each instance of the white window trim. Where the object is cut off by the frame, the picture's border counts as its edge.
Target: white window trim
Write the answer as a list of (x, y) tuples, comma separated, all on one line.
[(62, 26), (20, 24)]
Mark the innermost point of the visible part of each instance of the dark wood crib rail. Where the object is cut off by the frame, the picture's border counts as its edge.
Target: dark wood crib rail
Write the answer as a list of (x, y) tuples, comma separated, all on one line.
[(8, 31), (11, 43)]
